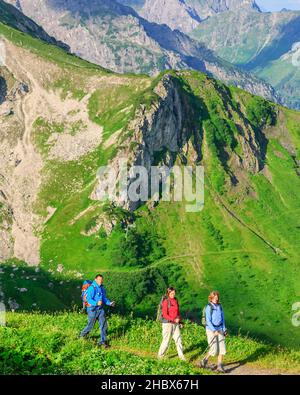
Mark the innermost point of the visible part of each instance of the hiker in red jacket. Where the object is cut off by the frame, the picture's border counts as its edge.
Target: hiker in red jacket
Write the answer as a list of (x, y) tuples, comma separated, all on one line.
[(170, 318)]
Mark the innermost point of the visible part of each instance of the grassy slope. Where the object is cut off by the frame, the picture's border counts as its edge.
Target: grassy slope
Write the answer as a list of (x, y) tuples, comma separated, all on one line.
[(205, 250), (48, 344)]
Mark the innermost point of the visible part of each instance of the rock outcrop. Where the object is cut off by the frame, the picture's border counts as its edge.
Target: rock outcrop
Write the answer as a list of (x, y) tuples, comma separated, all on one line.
[(169, 131)]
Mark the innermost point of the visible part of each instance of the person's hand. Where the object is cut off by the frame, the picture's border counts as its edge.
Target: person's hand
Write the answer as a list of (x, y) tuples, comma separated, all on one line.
[(225, 333), (177, 320), (99, 303), (113, 304), (216, 333)]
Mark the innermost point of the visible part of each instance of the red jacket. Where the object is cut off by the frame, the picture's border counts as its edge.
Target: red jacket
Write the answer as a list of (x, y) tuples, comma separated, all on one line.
[(171, 313)]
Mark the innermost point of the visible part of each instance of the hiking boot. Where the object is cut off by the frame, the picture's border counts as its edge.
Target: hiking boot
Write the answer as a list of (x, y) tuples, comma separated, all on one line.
[(203, 363), (221, 369)]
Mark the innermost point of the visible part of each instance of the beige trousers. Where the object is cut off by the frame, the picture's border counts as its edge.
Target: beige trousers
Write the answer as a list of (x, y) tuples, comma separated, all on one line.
[(170, 331), (217, 345)]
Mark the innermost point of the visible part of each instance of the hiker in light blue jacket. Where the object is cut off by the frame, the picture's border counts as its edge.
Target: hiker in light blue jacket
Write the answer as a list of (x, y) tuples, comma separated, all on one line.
[(215, 330), (95, 301)]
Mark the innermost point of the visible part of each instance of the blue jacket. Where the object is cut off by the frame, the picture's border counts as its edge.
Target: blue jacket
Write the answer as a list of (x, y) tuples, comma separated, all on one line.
[(95, 293), (215, 320)]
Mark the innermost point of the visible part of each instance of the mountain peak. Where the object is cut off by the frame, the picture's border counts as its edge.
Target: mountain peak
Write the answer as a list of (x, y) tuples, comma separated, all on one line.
[(177, 14), (132, 44), (165, 10)]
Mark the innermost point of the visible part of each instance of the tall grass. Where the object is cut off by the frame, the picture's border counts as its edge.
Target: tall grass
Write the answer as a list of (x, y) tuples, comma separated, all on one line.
[(35, 343)]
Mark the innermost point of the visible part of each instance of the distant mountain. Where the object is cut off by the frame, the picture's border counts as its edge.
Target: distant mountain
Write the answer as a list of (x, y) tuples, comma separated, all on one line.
[(116, 37), (13, 17), (157, 10), (207, 8), (177, 14), (263, 43)]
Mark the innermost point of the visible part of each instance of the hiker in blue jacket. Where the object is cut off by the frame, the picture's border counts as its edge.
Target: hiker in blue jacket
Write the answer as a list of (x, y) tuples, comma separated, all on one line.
[(95, 301), (215, 330)]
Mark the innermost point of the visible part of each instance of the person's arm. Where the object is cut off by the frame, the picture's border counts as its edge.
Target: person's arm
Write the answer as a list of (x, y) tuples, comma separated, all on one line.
[(208, 317), (165, 311), (91, 295), (106, 301)]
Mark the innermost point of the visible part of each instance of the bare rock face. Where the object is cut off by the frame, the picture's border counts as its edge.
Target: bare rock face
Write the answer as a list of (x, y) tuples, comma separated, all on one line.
[(177, 14), (21, 163), (14, 17), (207, 8), (192, 9), (162, 127), (166, 127)]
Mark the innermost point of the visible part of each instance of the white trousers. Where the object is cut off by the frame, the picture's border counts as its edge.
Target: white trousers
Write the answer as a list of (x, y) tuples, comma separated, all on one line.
[(217, 345), (169, 331)]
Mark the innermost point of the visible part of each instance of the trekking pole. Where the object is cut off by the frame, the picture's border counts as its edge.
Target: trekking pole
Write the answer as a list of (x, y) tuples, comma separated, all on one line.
[(208, 347)]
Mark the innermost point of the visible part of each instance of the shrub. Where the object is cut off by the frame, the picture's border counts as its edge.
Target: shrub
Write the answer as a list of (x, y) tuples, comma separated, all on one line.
[(260, 112)]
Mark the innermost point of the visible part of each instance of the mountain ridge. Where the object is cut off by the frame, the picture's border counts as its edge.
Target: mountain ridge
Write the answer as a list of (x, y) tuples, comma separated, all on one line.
[(17, 19), (239, 32), (201, 9), (118, 39), (257, 42)]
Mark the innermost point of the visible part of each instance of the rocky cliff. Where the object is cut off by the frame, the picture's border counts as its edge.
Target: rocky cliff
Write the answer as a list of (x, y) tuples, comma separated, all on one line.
[(174, 13), (190, 10), (14, 17)]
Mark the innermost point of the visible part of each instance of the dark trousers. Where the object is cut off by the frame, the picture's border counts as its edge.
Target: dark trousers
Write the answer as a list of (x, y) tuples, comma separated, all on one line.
[(93, 316)]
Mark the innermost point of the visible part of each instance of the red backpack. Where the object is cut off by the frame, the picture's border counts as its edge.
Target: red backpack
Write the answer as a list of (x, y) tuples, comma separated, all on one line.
[(85, 286)]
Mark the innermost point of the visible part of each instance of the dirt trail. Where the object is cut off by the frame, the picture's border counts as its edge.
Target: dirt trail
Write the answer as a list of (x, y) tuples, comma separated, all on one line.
[(250, 370), (232, 369)]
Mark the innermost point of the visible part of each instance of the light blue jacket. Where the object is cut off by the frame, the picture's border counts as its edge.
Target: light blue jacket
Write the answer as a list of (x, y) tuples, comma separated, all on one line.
[(215, 320), (96, 293)]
